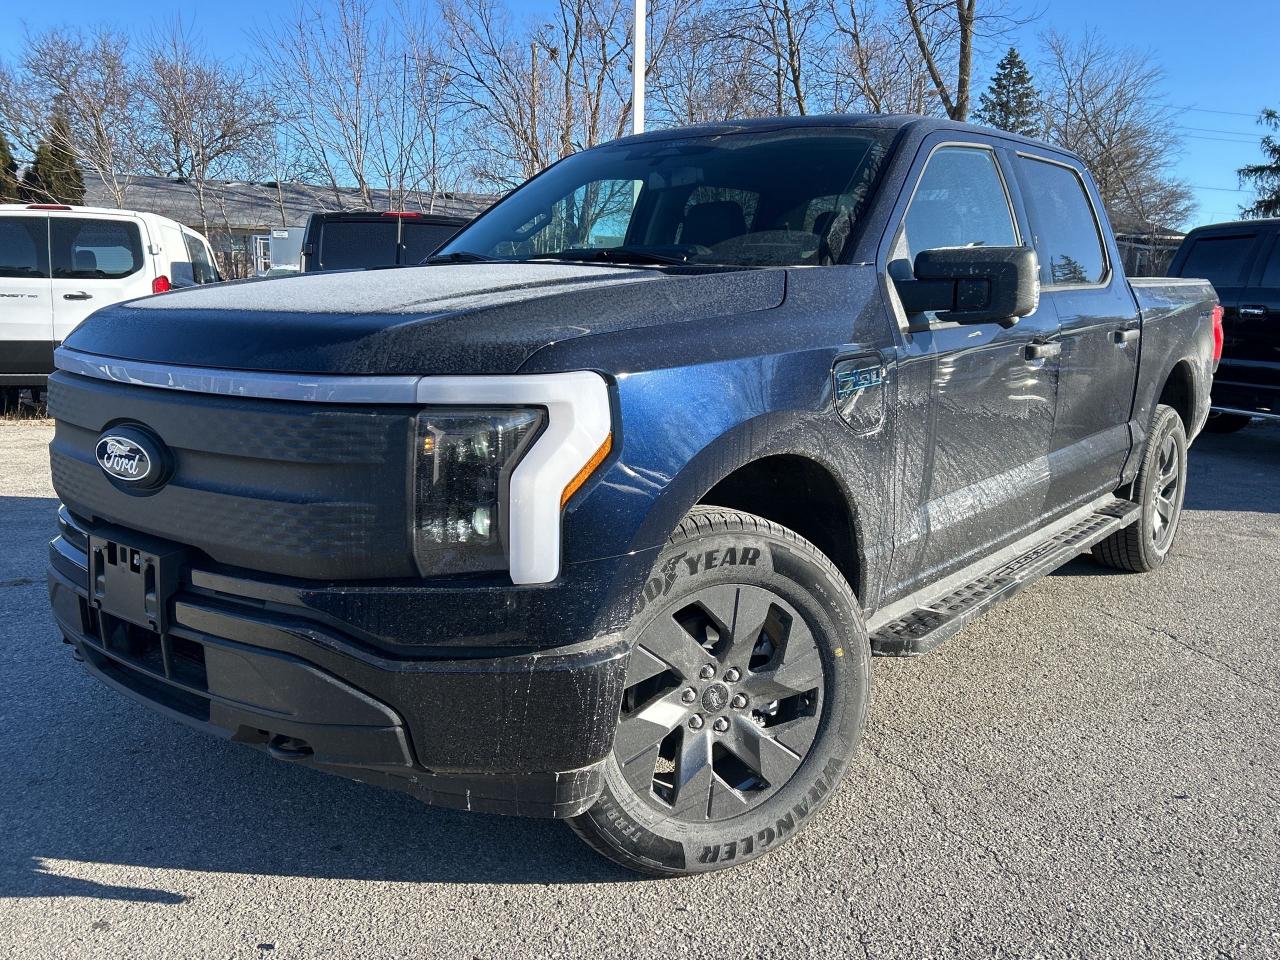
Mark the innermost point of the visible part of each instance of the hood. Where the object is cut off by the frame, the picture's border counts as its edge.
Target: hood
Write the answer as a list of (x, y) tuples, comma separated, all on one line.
[(433, 320)]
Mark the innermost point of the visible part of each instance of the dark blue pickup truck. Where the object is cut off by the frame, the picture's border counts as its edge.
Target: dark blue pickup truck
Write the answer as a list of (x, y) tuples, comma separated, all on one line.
[(601, 513)]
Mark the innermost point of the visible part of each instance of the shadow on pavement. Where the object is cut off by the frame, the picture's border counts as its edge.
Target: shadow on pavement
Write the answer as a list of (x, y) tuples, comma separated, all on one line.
[(1236, 471), (90, 777)]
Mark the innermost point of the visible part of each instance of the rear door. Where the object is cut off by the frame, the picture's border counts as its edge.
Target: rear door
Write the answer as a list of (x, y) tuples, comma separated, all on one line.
[(1255, 335), (26, 311), (1099, 329), (97, 260), (1224, 258)]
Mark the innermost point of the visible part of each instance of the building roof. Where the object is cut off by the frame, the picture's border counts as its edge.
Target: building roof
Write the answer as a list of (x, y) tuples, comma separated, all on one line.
[(261, 206)]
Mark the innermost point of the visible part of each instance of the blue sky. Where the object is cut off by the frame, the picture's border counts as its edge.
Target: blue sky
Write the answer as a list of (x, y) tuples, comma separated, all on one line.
[(1220, 68)]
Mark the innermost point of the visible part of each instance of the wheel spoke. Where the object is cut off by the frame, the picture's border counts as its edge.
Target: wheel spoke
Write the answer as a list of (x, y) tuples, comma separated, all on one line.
[(725, 801), (1164, 508), (761, 752), (669, 642), (639, 770), (644, 666), (693, 776), (796, 734), (647, 726), (796, 674), (750, 615)]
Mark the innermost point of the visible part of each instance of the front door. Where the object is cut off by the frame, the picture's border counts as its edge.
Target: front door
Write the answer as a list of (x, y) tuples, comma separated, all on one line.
[(1100, 333), (26, 314), (975, 402)]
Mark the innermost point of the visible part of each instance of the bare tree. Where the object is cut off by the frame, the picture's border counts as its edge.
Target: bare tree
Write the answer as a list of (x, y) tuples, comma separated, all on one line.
[(873, 67), (208, 121), (707, 74), (89, 77), (1107, 105)]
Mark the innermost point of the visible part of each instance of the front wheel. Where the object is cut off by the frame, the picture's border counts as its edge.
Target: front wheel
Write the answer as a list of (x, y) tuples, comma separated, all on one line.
[(745, 698)]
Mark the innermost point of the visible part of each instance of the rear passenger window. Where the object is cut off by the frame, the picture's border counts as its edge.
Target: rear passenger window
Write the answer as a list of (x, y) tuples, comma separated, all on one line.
[(202, 270), (1220, 260), (1271, 272), (1067, 237), (959, 202), (85, 249), (348, 244), (24, 247)]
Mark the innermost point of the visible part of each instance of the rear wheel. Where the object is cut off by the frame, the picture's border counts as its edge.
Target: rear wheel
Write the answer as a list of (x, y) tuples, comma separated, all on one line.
[(1160, 487), (745, 697), (9, 397), (1226, 422)]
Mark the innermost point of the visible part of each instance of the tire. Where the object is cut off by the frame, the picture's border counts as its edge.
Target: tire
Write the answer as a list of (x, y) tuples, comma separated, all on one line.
[(1161, 485), (746, 695), (1227, 422), (9, 397)]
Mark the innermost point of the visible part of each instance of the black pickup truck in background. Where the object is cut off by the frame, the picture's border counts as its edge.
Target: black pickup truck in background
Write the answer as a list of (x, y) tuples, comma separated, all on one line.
[(359, 239), (1242, 261), (601, 513)]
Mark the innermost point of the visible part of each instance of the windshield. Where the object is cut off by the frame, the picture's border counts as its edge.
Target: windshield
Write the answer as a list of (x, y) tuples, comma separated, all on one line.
[(783, 198)]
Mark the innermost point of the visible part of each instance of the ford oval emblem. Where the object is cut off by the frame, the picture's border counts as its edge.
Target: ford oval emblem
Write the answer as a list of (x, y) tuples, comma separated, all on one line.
[(123, 459), (132, 456)]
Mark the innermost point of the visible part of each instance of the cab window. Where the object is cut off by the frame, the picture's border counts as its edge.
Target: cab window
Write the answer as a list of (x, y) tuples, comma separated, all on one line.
[(91, 249), (1066, 231), (960, 202)]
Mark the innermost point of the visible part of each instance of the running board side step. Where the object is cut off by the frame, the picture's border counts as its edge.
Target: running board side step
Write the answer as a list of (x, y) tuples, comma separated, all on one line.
[(927, 622)]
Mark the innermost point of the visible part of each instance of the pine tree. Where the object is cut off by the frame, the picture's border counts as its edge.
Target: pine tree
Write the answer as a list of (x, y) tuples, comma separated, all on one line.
[(8, 173), (54, 176), (1011, 101), (1265, 177)]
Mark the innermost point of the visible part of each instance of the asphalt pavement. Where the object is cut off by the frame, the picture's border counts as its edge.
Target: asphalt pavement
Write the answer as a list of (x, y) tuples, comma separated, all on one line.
[(1091, 769)]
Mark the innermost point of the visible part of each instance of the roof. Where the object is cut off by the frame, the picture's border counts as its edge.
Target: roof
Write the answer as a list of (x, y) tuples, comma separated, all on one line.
[(1238, 224), (74, 208), (871, 121), (260, 206)]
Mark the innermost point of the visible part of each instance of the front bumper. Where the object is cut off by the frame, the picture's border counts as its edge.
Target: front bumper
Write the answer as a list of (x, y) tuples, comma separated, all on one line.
[(519, 734)]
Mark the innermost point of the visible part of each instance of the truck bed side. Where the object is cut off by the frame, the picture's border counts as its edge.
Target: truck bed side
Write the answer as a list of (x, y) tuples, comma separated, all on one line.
[(1176, 361)]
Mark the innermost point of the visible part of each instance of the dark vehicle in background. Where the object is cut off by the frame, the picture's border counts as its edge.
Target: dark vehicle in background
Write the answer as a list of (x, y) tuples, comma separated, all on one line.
[(1242, 261), (353, 240), (602, 512)]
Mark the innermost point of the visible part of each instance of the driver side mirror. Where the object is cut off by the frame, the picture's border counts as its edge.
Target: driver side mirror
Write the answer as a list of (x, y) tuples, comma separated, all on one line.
[(973, 284)]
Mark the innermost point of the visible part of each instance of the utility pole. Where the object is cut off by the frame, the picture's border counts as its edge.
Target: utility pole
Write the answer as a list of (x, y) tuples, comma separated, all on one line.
[(637, 73)]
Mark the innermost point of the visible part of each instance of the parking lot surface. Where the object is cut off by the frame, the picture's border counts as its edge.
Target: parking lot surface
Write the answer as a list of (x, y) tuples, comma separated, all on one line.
[(1091, 769)]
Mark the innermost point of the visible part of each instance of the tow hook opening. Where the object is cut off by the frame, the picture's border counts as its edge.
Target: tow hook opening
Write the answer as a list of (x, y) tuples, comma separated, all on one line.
[(289, 748)]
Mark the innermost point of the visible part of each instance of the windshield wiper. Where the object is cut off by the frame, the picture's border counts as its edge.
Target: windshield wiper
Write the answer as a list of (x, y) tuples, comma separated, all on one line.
[(459, 256), (613, 255)]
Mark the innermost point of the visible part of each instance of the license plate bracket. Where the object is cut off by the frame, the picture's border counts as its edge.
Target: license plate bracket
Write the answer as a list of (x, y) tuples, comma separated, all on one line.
[(134, 581)]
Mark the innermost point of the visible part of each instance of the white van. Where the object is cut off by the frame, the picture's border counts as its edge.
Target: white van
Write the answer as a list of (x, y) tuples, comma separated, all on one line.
[(58, 264)]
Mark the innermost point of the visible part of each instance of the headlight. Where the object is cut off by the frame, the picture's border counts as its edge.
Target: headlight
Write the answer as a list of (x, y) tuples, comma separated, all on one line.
[(463, 462)]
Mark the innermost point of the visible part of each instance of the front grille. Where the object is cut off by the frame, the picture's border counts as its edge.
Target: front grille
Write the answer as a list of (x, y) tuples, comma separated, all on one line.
[(310, 490)]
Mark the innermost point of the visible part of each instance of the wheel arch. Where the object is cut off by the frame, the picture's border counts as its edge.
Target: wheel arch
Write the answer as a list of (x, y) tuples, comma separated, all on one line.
[(804, 495), (1178, 390)]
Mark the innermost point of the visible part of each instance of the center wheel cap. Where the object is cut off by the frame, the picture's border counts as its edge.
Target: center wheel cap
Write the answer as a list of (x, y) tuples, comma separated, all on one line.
[(715, 698)]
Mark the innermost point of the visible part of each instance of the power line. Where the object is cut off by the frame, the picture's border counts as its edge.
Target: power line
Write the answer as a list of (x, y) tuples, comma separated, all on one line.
[(1225, 113)]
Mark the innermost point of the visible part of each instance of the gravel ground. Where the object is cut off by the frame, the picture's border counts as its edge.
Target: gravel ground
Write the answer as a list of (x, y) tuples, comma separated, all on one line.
[(1090, 769)]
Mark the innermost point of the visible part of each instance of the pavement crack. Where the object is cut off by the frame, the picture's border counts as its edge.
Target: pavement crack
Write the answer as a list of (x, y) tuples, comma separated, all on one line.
[(939, 816), (1174, 638), (18, 582)]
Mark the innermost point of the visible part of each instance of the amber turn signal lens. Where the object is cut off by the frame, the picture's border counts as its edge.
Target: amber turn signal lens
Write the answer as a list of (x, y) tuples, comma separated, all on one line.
[(588, 468)]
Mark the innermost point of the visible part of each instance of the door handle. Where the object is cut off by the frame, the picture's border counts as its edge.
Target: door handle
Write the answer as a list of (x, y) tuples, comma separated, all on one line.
[(1043, 351), (1253, 311), (78, 295), (1121, 337)]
